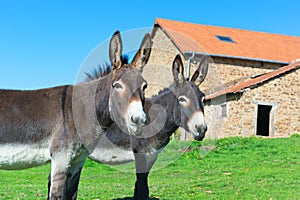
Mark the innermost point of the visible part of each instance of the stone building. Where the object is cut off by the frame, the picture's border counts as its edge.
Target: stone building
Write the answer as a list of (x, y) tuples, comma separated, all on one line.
[(252, 87)]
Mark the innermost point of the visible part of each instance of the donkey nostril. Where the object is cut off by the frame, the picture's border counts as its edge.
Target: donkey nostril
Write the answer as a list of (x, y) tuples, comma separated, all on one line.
[(136, 119), (200, 129), (133, 119)]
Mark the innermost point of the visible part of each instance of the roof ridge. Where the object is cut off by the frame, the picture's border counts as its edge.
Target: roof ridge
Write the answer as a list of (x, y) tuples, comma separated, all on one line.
[(215, 26)]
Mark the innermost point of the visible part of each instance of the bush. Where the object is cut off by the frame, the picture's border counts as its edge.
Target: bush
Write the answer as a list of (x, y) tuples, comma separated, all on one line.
[(296, 135)]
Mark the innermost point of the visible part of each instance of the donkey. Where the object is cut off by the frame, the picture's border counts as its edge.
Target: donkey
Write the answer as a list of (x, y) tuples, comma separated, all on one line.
[(63, 124), (183, 102)]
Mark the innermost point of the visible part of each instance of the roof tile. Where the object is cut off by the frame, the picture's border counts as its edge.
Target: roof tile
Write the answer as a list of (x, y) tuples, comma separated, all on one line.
[(248, 44)]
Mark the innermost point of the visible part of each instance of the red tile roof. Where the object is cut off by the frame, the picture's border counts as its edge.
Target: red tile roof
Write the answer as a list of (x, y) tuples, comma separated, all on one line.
[(247, 44), (256, 81)]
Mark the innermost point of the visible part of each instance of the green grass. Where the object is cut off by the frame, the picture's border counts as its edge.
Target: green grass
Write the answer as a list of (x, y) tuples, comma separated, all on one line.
[(235, 168)]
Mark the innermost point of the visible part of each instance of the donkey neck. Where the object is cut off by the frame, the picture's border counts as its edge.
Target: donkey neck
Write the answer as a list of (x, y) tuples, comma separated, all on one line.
[(102, 102), (90, 103), (168, 101)]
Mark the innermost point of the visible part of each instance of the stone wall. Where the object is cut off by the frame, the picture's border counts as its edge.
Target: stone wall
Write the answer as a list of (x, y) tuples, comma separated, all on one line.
[(234, 71), (158, 71)]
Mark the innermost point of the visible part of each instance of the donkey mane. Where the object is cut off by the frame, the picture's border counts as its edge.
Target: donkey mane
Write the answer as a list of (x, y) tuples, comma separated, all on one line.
[(103, 69), (164, 90)]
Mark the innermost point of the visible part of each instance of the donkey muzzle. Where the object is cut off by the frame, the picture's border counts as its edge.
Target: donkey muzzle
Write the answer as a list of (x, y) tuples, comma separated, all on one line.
[(197, 125), (136, 118), (201, 133), (137, 123)]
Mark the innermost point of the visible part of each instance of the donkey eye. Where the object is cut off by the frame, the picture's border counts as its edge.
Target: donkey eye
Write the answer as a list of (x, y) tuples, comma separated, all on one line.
[(182, 100), (117, 85), (144, 86)]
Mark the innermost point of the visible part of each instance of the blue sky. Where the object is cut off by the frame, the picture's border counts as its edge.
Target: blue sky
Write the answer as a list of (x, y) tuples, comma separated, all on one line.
[(44, 43)]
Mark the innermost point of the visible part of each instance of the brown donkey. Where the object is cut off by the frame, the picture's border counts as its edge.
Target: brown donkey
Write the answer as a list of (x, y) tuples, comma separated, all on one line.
[(63, 124)]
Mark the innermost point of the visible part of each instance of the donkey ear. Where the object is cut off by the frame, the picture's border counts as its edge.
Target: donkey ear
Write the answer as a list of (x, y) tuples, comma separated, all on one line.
[(115, 50), (177, 70), (142, 55), (201, 72)]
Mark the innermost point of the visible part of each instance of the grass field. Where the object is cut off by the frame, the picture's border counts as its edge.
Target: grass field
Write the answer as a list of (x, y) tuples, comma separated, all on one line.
[(235, 168)]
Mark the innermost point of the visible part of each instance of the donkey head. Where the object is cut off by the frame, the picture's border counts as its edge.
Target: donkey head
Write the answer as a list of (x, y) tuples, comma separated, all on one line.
[(190, 98), (128, 85)]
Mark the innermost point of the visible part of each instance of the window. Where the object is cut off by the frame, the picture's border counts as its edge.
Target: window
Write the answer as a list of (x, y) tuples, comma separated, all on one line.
[(225, 38), (224, 110)]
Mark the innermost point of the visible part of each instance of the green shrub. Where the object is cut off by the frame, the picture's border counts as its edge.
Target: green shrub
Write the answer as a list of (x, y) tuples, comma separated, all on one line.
[(296, 135)]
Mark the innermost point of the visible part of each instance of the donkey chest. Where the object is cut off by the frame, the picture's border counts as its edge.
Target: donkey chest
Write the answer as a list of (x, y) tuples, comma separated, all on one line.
[(21, 156), (117, 155), (114, 156)]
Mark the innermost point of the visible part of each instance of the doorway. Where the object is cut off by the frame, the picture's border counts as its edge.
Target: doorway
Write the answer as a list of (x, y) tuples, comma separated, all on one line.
[(263, 120)]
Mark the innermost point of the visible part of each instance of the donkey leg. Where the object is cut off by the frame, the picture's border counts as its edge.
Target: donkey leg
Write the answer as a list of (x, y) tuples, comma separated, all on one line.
[(59, 168), (141, 190), (143, 165), (73, 180), (72, 184), (72, 188), (49, 185)]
